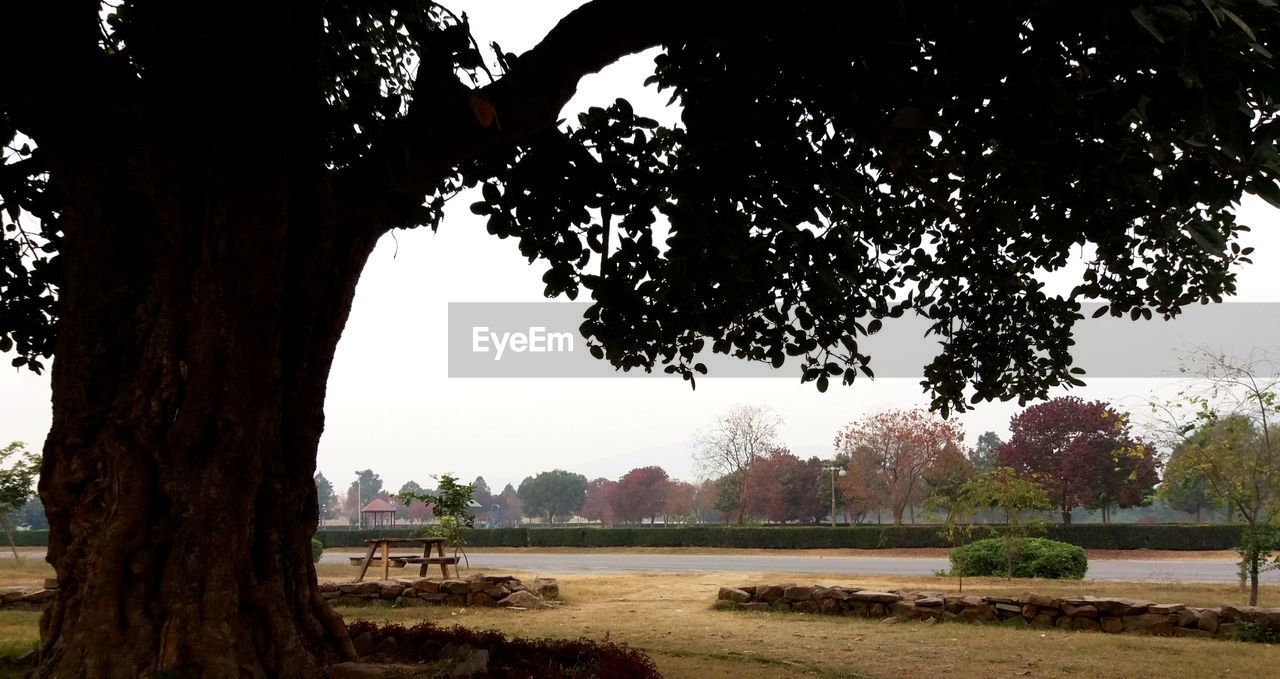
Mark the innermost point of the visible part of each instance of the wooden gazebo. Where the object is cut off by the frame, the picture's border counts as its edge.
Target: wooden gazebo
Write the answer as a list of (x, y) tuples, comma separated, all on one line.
[(379, 513)]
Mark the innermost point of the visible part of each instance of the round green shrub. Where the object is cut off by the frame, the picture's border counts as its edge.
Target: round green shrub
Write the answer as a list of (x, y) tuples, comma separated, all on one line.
[(317, 548), (1032, 558)]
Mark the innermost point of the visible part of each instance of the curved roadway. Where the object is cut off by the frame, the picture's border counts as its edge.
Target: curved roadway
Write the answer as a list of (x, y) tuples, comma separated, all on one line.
[(1164, 570)]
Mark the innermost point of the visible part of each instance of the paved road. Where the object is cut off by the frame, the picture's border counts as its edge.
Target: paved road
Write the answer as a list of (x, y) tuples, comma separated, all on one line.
[(587, 563)]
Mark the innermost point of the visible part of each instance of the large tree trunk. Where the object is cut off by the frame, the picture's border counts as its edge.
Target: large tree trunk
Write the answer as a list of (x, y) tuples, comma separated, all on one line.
[(204, 297)]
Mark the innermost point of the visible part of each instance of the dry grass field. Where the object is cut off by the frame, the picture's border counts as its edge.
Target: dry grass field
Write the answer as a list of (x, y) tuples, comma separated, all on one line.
[(669, 616)]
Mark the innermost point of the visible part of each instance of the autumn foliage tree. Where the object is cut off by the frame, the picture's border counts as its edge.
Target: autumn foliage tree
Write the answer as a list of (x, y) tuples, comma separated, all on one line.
[(861, 489), (680, 501), (782, 488), (1084, 453), (599, 502), (948, 474), (190, 193), (641, 494), (898, 447)]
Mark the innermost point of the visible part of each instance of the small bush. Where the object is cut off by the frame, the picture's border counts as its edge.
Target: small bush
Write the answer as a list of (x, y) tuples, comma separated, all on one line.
[(317, 548), (1032, 558), (1256, 633)]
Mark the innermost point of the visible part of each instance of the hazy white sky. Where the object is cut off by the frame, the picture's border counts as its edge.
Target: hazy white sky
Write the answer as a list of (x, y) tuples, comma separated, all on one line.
[(392, 408)]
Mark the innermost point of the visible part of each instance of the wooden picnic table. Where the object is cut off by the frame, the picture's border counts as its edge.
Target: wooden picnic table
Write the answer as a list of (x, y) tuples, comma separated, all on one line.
[(384, 545)]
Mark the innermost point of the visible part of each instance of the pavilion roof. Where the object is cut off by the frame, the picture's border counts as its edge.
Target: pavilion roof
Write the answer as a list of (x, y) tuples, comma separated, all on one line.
[(379, 504)]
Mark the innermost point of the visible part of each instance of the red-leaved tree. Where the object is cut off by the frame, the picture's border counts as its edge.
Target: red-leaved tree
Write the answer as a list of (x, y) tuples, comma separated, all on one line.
[(1084, 454), (680, 500), (897, 447), (781, 487), (641, 494), (600, 500), (420, 512)]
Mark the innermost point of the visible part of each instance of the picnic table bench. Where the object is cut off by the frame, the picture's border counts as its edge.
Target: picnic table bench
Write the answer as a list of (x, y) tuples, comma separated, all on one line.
[(427, 559)]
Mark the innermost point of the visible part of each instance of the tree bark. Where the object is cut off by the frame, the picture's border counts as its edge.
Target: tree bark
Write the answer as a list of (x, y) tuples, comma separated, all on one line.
[(209, 268), (205, 294)]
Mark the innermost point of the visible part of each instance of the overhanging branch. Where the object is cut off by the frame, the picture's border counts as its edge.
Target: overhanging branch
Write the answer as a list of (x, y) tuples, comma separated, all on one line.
[(52, 75), (449, 123)]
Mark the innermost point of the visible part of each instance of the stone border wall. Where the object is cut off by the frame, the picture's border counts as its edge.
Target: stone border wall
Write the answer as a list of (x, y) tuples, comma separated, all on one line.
[(501, 591), (1028, 610), (478, 590), (23, 599)]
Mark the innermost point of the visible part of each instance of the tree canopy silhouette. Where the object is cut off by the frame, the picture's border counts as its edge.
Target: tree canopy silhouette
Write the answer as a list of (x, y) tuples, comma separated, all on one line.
[(190, 193)]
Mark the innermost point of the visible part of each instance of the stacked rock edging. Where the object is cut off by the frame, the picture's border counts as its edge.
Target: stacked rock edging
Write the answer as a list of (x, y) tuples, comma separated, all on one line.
[(502, 591), (24, 599), (1028, 610)]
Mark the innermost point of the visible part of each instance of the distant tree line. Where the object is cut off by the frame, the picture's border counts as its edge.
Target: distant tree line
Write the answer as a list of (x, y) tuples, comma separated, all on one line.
[(909, 465), (503, 508)]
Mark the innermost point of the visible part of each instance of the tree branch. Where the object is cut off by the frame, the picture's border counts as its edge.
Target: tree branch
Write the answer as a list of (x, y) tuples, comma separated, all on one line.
[(53, 75), (445, 127)]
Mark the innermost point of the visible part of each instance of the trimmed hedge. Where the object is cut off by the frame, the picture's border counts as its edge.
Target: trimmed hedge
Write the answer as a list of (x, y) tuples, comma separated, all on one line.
[(1086, 535), (487, 537), (356, 538), (1199, 536), (28, 538), (497, 537), (1032, 558), (557, 537)]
